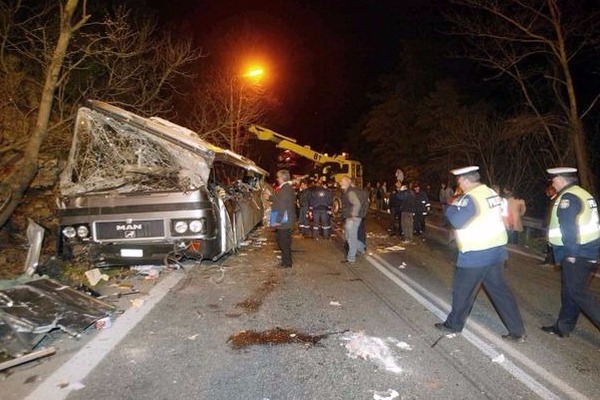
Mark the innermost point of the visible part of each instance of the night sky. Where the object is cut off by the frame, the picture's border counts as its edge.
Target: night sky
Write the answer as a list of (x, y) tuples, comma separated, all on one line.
[(321, 57)]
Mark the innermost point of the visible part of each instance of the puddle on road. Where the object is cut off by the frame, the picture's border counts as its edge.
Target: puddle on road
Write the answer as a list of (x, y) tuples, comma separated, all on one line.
[(273, 337)]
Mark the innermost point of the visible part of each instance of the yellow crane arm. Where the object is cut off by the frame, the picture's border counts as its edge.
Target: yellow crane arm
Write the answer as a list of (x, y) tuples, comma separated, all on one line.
[(288, 143)]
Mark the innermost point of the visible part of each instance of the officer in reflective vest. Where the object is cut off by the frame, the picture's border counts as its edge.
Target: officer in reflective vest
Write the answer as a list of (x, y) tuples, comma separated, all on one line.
[(574, 234), (481, 240)]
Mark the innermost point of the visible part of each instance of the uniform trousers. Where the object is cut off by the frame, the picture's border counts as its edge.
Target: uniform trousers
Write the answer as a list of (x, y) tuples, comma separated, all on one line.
[(321, 219), (303, 222), (575, 294), (467, 282), (284, 241)]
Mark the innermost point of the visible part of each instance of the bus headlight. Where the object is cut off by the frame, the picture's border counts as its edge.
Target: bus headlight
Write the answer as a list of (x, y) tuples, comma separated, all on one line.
[(181, 227), (69, 232), (83, 231), (196, 226)]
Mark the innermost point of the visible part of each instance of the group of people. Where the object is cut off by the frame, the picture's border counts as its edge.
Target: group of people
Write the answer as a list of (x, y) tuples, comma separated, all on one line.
[(476, 212), (315, 203), (481, 235)]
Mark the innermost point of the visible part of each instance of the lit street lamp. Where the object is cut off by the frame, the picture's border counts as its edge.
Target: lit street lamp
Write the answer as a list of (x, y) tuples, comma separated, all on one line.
[(236, 111)]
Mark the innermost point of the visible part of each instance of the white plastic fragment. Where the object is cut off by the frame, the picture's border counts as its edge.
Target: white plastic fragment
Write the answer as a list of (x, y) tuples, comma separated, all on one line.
[(193, 337), (389, 394), (94, 276), (498, 359), (371, 348), (403, 346), (335, 303)]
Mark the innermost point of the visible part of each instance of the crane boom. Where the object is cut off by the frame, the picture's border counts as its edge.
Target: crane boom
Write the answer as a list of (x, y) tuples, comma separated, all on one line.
[(288, 143), (344, 166)]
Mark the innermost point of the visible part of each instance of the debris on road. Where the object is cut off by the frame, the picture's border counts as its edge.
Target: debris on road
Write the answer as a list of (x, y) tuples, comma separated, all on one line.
[(389, 394), (335, 303), (94, 276), (29, 311), (27, 357), (371, 348), (499, 359)]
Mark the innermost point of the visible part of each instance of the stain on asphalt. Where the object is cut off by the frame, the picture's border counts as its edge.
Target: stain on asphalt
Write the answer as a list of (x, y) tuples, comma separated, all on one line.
[(273, 337)]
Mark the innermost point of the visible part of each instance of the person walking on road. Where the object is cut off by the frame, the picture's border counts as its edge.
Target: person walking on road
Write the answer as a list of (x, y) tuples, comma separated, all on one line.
[(351, 211), (574, 234), (515, 210), (283, 216), (481, 240)]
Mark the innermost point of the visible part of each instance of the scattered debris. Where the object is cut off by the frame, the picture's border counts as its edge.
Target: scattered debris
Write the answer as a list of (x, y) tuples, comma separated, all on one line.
[(26, 358), (29, 311), (449, 336), (71, 386), (103, 323), (373, 349), (193, 337), (94, 276), (151, 271), (137, 303), (35, 237), (499, 359), (389, 394), (395, 248), (335, 303)]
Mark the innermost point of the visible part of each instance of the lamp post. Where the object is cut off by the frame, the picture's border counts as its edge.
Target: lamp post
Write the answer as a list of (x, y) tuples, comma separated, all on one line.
[(237, 95)]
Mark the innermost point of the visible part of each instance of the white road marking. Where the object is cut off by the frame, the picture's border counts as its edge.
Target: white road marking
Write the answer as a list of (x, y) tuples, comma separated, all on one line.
[(81, 364), (422, 296)]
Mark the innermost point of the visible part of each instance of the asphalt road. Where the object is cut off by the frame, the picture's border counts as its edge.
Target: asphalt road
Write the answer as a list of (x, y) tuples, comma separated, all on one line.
[(363, 331)]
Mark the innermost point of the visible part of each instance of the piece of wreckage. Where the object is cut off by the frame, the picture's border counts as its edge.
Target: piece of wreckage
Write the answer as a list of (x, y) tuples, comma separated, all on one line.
[(138, 190), (31, 307)]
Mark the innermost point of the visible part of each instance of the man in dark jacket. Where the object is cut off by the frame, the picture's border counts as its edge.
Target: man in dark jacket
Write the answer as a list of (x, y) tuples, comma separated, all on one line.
[(422, 209), (283, 216), (320, 202)]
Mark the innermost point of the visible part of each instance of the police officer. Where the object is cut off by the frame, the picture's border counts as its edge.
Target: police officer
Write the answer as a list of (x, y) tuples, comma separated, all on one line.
[(574, 234), (303, 206), (422, 209), (319, 203), (481, 240)]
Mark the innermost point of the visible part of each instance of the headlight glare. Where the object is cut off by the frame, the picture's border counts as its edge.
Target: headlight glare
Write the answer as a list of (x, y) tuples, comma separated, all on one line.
[(83, 231)]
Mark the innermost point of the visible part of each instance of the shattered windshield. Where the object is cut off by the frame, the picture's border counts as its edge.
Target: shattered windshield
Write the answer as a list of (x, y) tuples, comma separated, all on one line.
[(111, 154)]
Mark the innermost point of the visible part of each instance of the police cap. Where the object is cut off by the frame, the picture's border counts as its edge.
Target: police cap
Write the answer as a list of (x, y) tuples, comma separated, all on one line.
[(464, 170), (562, 171)]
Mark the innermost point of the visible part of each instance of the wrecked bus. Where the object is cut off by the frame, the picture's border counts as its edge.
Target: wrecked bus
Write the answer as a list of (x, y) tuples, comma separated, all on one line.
[(138, 190)]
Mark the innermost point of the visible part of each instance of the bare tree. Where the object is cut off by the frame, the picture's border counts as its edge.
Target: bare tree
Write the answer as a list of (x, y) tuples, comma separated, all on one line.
[(534, 43), (113, 59), (224, 104)]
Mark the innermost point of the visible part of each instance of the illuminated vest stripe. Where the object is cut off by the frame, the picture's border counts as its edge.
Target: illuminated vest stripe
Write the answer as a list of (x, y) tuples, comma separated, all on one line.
[(486, 229), (587, 221)]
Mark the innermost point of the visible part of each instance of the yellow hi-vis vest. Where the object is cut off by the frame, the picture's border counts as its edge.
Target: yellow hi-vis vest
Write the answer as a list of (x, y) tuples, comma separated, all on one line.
[(588, 223), (486, 229)]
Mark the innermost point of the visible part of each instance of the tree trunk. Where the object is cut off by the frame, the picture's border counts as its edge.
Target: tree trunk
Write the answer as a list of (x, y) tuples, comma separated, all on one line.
[(576, 131), (22, 176)]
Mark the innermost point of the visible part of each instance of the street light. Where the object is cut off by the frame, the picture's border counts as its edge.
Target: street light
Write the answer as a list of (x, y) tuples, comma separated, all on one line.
[(236, 112)]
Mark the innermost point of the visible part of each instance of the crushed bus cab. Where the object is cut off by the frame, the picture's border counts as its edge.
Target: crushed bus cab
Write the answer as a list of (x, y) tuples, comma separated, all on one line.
[(136, 190)]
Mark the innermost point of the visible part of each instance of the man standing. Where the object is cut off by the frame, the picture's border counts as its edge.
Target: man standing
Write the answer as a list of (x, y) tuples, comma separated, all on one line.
[(283, 216), (351, 211), (320, 202), (422, 209), (303, 206), (574, 234), (481, 240)]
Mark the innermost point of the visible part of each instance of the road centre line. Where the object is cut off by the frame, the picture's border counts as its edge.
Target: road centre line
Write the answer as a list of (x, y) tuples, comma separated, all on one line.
[(422, 296), (59, 384)]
